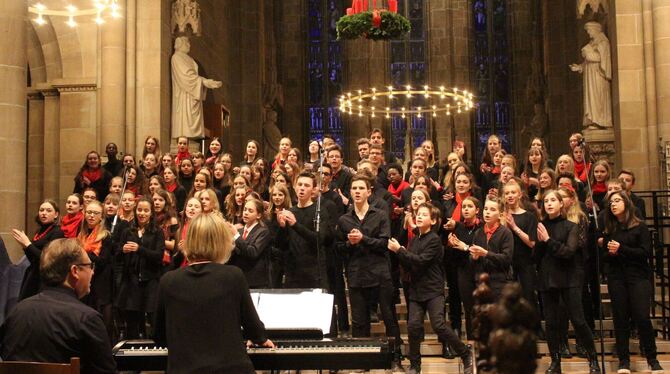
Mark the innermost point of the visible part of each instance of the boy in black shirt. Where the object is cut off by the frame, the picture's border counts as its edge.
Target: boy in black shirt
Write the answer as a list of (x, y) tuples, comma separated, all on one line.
[(363, 234)]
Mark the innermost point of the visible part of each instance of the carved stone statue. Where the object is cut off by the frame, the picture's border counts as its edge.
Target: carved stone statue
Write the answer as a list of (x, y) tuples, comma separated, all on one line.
[(186, 12), (597, 76), (273, 99), (594, 4), (188, 92)]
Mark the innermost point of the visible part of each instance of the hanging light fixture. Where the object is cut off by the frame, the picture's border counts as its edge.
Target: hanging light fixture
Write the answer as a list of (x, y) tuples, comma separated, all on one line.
[(99, 10), (434, 101)]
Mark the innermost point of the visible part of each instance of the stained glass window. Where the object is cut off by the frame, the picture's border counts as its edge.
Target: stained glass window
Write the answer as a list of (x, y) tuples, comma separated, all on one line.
[(324, 69), (491, 74), (409, 67)]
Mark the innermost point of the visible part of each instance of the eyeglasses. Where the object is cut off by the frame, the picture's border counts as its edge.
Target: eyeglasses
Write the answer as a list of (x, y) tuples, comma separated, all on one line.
[(93, 213), (616, 201), (89, 264)]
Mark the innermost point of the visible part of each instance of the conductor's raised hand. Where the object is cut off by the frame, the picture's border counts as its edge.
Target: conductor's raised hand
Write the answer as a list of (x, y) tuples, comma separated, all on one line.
[(21, 237)]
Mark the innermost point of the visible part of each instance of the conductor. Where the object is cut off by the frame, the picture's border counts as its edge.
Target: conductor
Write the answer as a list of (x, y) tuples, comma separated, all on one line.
[(202, 306)]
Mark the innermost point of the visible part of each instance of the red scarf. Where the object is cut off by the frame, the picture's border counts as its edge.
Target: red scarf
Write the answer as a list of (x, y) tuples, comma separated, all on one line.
[(92, 175), (171, 187), (456, 215), (474, 224), (70, 224), (397, 192), (495, 170), (180, 156), (40, 235), (92, 244), (582, 171), (599, 187), (490, 231)]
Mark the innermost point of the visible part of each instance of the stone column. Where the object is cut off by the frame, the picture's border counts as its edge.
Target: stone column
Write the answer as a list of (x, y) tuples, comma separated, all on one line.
[(660, 11), (629, 99), (35, 156), (51, 154), (113, 82), (77, 131), (13, 15)]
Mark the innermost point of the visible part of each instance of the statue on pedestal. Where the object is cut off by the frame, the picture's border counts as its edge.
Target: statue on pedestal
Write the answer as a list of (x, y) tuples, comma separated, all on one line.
[(188, 92), (597, 76)]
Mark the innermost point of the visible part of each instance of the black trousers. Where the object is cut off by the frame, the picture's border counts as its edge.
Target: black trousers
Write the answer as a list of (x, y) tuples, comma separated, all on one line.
[(335, 268), (451, 271), (631, 299), (435, 309), (526, 275), (360, 311), (572, 301), (466, 286), (591, 292)]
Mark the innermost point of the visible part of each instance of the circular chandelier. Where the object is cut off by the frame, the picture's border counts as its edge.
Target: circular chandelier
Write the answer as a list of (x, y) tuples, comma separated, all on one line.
[(388, 101), (99, 9)]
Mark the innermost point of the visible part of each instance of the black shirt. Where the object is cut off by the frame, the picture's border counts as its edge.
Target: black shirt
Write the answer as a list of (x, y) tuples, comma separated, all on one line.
[(305, 266), (632, 258), (523, 254), (368, 264), (31, 278), (54, 326), (200, 311), (424, 261), (559, 258)]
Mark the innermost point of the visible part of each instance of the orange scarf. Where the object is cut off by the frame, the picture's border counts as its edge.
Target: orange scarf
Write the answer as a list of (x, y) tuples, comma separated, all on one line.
[(92, 244)]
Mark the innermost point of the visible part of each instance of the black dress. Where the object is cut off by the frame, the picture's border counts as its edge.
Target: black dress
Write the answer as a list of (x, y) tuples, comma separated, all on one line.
[(200, 311), (31, 279)]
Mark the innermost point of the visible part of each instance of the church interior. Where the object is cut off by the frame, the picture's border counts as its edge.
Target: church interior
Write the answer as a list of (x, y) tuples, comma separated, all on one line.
[(79, 77)]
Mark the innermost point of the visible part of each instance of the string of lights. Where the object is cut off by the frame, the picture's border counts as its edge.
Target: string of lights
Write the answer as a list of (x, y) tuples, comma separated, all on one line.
[(99, 10)]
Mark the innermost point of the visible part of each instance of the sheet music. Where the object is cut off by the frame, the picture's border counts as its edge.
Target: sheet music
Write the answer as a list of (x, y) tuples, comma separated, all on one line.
[(304, 310)]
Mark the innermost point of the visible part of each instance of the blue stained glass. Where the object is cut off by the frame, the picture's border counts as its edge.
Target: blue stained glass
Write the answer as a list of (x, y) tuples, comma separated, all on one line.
[(397, 51), (480, 15), (416, 9), (417, 51), (418, 71), (398, 129), (398, 74)]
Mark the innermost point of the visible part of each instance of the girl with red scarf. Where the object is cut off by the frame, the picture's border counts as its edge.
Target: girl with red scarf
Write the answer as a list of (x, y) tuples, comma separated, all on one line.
[(72, 220), (182, 150), (166, 221), (47, 218), (172, 185), (601, 174), (582, 169), (98, 244), (135, 181), (93, 175), (192, 209)]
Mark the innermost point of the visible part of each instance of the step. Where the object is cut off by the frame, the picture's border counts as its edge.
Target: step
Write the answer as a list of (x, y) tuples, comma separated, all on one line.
[(377, 328), (432, 347)]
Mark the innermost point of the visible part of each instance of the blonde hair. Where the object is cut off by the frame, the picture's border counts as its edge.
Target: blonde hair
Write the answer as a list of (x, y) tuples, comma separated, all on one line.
[(85, 231), (574, 213), (208, 239), (571, 164), (216, 208)]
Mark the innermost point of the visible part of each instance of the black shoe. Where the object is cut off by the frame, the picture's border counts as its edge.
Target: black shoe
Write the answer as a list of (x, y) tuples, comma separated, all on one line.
[(414, 369), (594, 367), (541, 335), (624, 367), (555, 365), (447, 352), (565, 350), (655, 366), (468, 361), (397, 366), (581, 351)]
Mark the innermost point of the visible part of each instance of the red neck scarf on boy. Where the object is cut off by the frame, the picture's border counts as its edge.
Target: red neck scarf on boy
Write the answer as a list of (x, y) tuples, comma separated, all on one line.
[(599, 187), (70, 224), (490, 231), (456, 215)]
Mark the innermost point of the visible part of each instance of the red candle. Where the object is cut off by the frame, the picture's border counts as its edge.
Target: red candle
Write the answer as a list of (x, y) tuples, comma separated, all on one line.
[(374, 4), (365, 5), (393, 6), (350, 11), (355, 5)]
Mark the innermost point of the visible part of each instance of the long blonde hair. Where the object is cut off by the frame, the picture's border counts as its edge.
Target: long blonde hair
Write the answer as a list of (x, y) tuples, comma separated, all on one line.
[(574, 213), (85, 231)]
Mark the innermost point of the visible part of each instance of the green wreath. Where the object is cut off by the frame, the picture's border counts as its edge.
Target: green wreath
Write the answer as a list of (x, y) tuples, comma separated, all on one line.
[(393, 26)]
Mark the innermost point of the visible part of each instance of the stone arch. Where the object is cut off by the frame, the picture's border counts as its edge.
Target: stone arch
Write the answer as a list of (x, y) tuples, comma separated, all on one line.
[(50, 51), (35, 56)]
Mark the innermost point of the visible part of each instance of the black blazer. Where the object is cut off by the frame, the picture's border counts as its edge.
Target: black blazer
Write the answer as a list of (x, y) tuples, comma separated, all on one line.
[(632, 258), (101, 284), (145, 264), (424, 261), (252, 256), (559, 258), (31, 278), (200, 311), (498, 262)]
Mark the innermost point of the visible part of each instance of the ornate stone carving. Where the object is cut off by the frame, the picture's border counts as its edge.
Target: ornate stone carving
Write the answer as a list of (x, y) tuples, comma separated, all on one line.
[(594, 4), (596, 70), (76, 87), (184, 13), (273, 101), (188, 92)]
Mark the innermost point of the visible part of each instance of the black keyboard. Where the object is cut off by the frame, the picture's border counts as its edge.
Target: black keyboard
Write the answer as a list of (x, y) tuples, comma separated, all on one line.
[(354, 353)]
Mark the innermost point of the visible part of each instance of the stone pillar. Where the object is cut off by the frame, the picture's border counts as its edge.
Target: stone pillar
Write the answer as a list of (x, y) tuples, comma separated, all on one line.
[(35, 156), (660, 10), (449, 65), (51, 143), (131, 76), (629, 87), (366, 65), (153, 47), (77, 131), (13, 15), (113, 82)]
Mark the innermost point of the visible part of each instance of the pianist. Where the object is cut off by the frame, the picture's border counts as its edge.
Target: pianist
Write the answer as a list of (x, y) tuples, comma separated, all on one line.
[(201, 307), (54, 325)]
